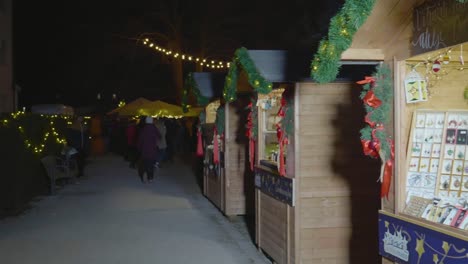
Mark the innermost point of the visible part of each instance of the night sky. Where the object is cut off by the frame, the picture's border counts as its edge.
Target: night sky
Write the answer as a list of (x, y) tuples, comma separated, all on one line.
[(68, 52)]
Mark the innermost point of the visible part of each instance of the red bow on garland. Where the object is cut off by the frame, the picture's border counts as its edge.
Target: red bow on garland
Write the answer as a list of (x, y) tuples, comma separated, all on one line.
[(386, 175), (372, 147), (282, 139)]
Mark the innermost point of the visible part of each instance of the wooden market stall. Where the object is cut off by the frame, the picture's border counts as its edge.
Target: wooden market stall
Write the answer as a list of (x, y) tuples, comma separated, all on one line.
[(309, 214), (423, 221), (224, 164), (237, 190), (207, 88)]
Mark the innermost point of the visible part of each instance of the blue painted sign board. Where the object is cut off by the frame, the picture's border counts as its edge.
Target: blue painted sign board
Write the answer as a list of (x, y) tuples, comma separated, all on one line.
[(405, 241)]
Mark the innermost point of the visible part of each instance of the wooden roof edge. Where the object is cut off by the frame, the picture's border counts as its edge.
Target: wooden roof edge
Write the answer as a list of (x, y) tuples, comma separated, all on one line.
[(363, 54)]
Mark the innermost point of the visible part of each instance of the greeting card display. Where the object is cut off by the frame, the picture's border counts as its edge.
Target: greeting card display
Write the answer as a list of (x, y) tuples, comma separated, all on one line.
[(438, 157)]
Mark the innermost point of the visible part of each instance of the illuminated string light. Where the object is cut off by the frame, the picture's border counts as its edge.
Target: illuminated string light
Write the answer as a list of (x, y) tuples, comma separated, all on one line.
[(202, 62), (37, 148)]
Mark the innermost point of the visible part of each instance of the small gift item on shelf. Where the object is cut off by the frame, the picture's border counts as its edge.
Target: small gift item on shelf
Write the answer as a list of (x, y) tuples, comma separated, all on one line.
[(416, 206)]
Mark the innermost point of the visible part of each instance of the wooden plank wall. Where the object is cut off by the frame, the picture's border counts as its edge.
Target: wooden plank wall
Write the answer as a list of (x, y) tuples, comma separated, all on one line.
[(236, 158), (214, 188), (273, 228), (338, 193), (211, 182)]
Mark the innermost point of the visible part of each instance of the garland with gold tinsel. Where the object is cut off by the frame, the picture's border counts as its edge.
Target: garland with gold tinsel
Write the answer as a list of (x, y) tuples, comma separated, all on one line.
[(326, 63), (284, 128), (255, 79), (377, 96), (191, 85), (286, 113)]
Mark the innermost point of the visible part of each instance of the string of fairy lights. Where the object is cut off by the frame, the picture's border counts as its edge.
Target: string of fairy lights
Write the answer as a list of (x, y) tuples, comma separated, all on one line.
[(204, 62), (38, 148)]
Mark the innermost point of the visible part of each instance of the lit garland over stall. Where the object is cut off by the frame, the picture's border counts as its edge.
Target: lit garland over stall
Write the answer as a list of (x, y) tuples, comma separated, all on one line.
[(326, 63), (191, 86), (50, 132), (256, 80), (213, 64)]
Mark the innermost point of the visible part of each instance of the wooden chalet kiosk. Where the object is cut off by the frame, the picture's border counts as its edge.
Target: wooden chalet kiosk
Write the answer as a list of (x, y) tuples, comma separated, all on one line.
[(307, 210), (223, 176), (207, 88), (426, 43)]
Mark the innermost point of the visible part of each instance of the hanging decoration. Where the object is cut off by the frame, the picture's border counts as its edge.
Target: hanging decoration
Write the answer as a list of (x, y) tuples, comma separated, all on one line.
[(213, 64), (436, 66), (252, 130), (255, 79), (415, 87), (199, 142), (377, 96), (190, 85), (284, 129), (326, 63)]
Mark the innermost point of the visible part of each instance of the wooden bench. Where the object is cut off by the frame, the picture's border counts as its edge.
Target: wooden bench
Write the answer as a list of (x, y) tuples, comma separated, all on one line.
[(59, 168)]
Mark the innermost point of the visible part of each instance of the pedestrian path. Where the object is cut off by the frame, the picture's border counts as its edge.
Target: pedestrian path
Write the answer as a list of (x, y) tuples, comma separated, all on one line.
[(111, 217)]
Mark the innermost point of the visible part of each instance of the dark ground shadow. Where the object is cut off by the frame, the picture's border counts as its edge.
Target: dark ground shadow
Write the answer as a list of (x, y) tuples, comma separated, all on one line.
[(361, 173)]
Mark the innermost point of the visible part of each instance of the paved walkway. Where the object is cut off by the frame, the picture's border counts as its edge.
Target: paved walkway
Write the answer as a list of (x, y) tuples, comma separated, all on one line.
[(111, 217)]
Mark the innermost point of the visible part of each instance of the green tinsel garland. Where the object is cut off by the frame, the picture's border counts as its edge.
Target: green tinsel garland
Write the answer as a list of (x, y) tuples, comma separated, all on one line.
[(255, 79), (185, 93), (325, 65), (254, 116), (191, 85), (383, 90), (287, 122), (220, 121)]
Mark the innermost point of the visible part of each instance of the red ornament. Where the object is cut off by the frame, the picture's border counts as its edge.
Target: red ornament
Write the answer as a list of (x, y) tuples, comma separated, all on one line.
[(436, 66)]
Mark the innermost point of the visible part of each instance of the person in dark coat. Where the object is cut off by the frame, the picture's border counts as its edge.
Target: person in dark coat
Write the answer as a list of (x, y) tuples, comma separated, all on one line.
[(77, 138), (132, 152), (147, 145)]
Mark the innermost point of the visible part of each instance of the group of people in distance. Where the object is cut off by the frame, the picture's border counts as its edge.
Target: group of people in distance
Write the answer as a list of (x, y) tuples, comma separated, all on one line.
[(145, 142), (150, 142)]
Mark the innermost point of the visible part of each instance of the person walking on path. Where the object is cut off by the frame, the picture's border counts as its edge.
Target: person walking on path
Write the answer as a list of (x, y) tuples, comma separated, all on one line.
[(76, 137), (147, 145), (162, 143), (132, 152)]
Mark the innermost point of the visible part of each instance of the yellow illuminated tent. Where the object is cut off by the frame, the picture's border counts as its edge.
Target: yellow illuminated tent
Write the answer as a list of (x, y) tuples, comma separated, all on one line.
[(160, 109), (130, 109), (144, 107)]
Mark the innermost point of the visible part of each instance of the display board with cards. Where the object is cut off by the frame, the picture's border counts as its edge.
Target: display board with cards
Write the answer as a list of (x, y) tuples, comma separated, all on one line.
[(438, 157)]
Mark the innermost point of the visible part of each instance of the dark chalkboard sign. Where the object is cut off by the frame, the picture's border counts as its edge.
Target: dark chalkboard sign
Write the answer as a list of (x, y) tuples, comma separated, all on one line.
[(438, 24)]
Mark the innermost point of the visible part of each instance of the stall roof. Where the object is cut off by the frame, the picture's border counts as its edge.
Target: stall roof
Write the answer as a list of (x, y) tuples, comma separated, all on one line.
[(281, 66), (210, 84), (52, 109)]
